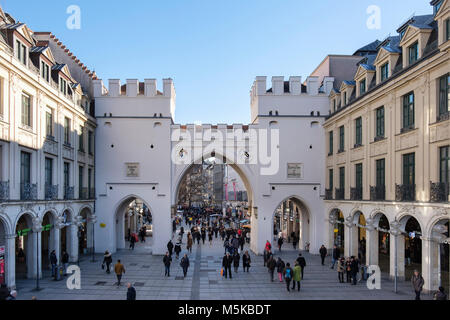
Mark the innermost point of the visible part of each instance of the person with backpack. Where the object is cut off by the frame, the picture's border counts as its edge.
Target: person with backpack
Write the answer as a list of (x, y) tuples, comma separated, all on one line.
[(341, 269), (297, 277), (302, 263), (280, 269), (226, 245), (271, 265), (335, 256), (288, 273)]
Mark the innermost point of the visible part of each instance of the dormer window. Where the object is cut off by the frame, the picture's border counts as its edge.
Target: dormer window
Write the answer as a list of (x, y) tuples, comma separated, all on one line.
[(447, 29), (334, 105), (63, 86), (384, 71), (413, 52), (362, 87), (345, 98), (21, 52), (45, 71)]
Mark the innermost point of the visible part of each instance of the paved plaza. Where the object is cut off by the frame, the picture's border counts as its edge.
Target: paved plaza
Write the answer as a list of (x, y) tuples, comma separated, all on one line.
[(204, 282)]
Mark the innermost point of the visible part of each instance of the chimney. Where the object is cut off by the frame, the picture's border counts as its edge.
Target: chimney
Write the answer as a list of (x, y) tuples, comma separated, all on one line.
[(150, 87), (312, 85), (98, 88), (277, 85), (114, 88), (328, 83), (132, 87), (168, 88), (261, 85), (295, 85)]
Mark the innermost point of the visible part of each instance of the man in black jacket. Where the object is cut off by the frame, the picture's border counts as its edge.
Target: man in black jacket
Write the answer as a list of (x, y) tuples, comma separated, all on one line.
[(167, 260), (170, 247), (53, 262), (227, 261), (302, 263), (354, 269), (336, 256), (131, 292), (323, 254)]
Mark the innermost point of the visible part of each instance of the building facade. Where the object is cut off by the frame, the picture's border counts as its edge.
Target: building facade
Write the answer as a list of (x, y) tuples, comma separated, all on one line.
[(46, 151), (388, 165)]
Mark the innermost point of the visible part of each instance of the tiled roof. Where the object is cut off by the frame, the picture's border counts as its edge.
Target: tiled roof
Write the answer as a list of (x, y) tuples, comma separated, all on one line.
[(368, 67), (38, 49), (422, 22), (349, 83), (371, 47)]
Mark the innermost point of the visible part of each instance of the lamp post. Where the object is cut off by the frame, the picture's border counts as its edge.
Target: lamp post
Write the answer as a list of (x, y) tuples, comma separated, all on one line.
[(93, 221), (395, 231), (37, 228)]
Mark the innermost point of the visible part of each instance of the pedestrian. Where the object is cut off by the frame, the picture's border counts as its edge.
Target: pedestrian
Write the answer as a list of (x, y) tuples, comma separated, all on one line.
[(189, 242), (302, 263), (235, 244), (294, 242), (119, 269), (246, 261), (226, 264), (268, 246), (288, 274), (170, 247), (4, 292), (297, 277), (65, 261), (280, 243), (271, 264), (185, 264), (226, 245), (440, 295), (12, 295), (107, 260), (341, 269), (236, 261), (280, 269), (210, 238), (167, 260), (132, 241), (54, 263), (354, 266), (131, 292), (323, 254), (203, 235), (335, 256), (177, 249), (417, 283), (348, 270)]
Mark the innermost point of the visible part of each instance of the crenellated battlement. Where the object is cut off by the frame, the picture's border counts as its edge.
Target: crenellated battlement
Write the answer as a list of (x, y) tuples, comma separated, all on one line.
[(133, 88)]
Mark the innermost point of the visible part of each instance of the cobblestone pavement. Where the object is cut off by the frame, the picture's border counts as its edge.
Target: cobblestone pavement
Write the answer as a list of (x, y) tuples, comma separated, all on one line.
[(146, 273)]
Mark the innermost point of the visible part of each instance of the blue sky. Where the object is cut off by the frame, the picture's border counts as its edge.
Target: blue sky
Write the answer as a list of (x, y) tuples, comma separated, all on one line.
[(212, 49)]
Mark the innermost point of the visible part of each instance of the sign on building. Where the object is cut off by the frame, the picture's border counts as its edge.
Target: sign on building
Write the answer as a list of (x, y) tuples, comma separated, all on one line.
[(132, 170), (295, 171)]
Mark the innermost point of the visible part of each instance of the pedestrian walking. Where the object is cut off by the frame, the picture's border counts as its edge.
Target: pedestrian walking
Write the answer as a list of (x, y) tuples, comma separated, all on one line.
[(242, 242), (280, 243), (107, 260), (341, 269), (4, 292), (132, 241), (65, 262), (236, 261), (440, 295), (131, 292), (354, 267), (294, 241), (170, 247), (336, 254), (323, 253), (119, 269), (210, 238), (297, 277), (167, 260), (246, 261), (288, 274), (177, 249), (185, 264), (227, 261), (417, 283), (302, 263), (271, 265), (54, 263), (348, 270), (280, 269)]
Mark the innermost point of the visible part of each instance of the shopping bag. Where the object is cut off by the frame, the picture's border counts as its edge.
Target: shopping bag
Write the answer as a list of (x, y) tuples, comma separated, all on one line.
[(221, 272)]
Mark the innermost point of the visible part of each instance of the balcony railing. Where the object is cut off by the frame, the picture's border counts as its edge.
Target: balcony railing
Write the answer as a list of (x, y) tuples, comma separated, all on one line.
[(439, 192), (92, 193), (83, 194), (51, 192), (69, 193), (4, 190), (443, 117), (28, 191), (405, 192), (328, 194), (340, 194), (356, 194), (377, 193)]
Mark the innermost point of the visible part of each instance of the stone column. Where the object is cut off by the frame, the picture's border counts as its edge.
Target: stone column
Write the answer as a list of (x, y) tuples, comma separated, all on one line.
[(400, 256), (72, 246), (36, 256), (371, 246), (10, 260), (430, 263)]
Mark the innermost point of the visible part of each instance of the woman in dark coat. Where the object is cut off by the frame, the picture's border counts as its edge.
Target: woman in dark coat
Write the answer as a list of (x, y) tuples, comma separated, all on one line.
[(236, 260), (246, 261), (177, 249), (280, 269), (107, 259)]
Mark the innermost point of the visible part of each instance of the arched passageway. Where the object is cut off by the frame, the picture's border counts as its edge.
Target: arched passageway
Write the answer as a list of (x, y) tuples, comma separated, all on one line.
[(384, 244), (48, 239), (337, 229), (410, 250), (3, 252), (25, 248), (439, 254), (85, 232)]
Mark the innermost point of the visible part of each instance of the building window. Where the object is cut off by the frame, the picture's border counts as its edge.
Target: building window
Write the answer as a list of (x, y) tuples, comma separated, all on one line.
[(334, 105), (330, 179), (408, 111), (413, 53), (66, 176), (379, 133), (345, 98), (331, 142), (67, 131), (25, 168), (342, 178), (444, 166), (380, 172), (48, 172), (341, 139), (63, 85), (45, 71), (358, 132), (26, 110), (447, 28), (81, 140), (444, 95), (80, 182), (91, 195), (362, 87), (384, 71), (91, 143), (49, 124), (359, 176), (21, 52), (409, 169)]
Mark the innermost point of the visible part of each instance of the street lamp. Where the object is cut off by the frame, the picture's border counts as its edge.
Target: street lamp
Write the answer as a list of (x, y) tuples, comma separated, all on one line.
[(37, 228), (93, 221), (395, 231)]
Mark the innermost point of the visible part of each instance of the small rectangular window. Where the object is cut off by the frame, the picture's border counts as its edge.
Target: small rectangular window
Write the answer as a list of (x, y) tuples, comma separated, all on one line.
[(358, 131), (447, 28), (341, 139), (380, 173), (362, 87), (330, 179), (413, 53), (444, 95), (49, 124), (380, 122), (444, 165), (409, 169), (67, 131), (26, 110), (408, 111), (385, 72), (330, 143)]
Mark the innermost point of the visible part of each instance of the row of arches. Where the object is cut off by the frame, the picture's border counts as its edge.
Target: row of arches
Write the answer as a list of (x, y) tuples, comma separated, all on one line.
[(372, 238)]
